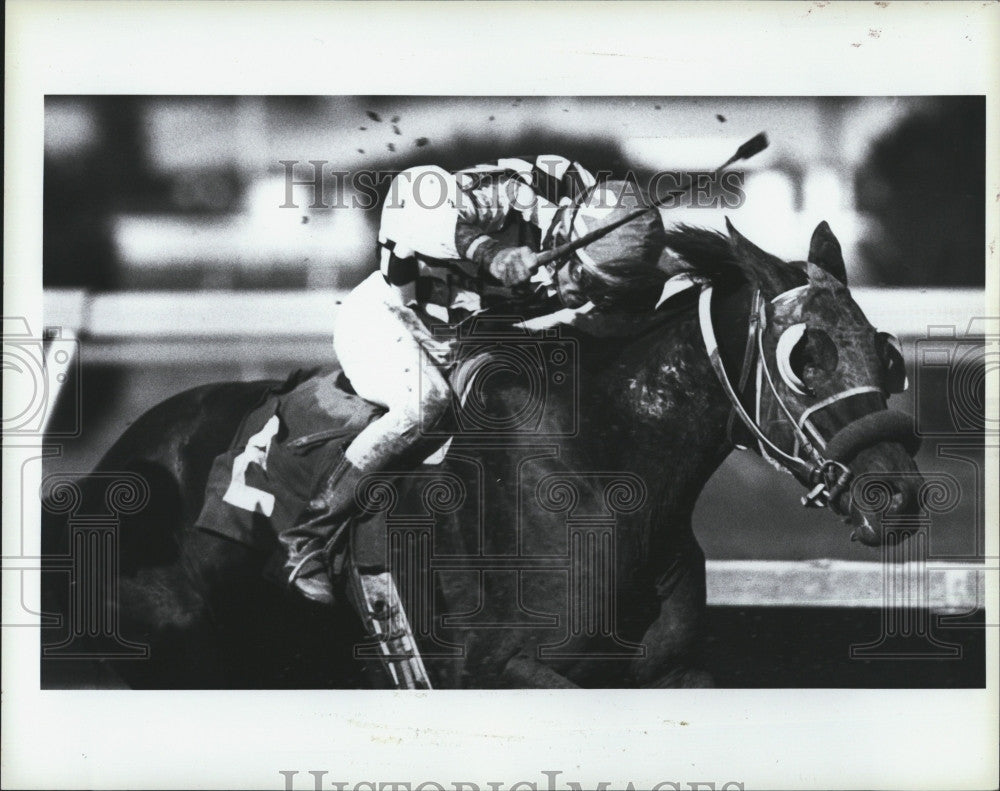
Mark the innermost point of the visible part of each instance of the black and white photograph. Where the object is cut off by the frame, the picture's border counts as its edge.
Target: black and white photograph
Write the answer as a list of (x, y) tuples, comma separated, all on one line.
[(431, 411), (444, 420)]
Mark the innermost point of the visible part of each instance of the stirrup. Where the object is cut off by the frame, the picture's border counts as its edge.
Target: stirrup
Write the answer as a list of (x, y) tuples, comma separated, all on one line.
[(297, 568), (317, 587), (326, 551)]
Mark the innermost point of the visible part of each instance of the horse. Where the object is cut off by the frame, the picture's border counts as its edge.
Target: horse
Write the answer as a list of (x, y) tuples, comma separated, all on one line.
[(557, 556)]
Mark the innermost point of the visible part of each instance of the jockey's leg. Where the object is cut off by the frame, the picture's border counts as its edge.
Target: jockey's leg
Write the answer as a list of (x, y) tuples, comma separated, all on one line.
[(386, 364)]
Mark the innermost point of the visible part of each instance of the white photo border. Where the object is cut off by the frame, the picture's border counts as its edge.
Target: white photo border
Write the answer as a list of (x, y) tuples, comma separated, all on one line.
[(761, 738)]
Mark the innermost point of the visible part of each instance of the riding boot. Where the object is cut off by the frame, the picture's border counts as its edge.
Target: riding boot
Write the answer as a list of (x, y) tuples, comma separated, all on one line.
[(308, 542)]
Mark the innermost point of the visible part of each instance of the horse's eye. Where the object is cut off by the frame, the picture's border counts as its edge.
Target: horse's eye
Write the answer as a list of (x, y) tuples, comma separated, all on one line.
[(802, 353), (890, 354), (790, 354)]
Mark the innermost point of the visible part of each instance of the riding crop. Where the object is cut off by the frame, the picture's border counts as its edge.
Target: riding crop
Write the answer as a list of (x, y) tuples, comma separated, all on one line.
[(750, 148)]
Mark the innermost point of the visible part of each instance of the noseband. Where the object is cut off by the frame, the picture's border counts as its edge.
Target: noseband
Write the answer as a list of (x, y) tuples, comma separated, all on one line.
[(825, 468)]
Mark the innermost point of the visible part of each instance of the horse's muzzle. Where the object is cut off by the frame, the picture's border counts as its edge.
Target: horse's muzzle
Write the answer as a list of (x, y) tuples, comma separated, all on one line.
[(879, 450)]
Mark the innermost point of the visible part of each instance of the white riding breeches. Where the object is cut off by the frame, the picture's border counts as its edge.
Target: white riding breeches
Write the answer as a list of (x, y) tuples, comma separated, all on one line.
[(393, 360)]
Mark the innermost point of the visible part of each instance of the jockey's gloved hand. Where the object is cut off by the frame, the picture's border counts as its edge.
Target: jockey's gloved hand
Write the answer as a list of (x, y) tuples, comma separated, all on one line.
[(513, 265)]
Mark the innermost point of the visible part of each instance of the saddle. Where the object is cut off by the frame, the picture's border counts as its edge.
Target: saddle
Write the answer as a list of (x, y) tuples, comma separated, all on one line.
[(284, 445), (259, 486)]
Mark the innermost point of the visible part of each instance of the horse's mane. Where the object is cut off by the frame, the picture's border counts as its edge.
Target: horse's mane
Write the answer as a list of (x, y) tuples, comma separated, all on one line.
[(716, 256), (707, 252)]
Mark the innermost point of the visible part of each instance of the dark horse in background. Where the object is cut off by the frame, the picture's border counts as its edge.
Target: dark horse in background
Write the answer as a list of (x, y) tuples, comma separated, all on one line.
[(563, 556)]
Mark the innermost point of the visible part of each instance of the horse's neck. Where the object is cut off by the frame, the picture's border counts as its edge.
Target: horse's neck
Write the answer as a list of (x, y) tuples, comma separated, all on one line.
[(658, 410)]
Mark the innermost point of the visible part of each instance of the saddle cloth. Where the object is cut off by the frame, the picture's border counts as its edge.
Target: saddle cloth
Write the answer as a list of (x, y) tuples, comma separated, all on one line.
[(260, 485)]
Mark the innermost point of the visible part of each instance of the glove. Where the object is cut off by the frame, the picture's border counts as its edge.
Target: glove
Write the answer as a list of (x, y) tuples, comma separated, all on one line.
[(513, 265)]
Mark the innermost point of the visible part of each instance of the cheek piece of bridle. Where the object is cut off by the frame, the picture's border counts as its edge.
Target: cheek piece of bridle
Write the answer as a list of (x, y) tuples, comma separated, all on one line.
[(822, 468)]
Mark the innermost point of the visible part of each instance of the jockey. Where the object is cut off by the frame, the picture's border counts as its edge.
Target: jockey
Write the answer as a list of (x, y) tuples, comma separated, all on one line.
[(452, 245)]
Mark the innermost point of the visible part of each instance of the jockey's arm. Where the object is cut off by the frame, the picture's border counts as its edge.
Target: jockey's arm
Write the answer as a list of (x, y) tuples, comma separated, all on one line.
[(462, 229), (483, 214)]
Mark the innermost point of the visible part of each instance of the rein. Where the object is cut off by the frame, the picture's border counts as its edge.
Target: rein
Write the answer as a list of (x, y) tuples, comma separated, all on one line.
[(829, 476)]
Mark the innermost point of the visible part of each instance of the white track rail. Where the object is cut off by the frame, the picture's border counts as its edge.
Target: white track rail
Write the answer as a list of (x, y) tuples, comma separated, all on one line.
[(942, 586)]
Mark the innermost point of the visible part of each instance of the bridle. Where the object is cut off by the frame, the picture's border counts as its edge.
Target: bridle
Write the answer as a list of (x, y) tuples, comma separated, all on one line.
[(820, 463)]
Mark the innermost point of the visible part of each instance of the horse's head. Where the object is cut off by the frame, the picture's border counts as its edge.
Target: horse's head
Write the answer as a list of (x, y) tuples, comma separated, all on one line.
[(814, 383)]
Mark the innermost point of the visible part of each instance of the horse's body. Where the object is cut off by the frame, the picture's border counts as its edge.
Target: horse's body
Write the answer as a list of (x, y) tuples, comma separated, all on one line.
[(569, 561)]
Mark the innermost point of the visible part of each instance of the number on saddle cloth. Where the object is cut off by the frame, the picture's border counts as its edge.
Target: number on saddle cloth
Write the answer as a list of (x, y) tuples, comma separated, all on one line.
[(240, 493), (261, 484)]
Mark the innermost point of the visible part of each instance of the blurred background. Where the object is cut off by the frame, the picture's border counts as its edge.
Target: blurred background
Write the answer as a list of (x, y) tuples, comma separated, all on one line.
[(171, 249)]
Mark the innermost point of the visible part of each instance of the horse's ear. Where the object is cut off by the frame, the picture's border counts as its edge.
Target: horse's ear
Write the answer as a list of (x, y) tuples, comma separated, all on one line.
[(825, 252), (762, 267)]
